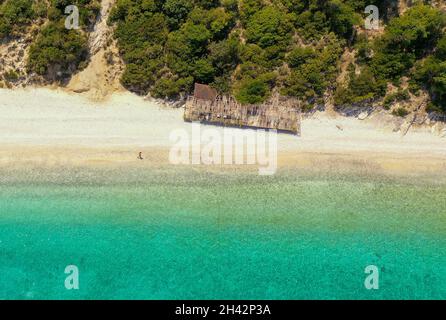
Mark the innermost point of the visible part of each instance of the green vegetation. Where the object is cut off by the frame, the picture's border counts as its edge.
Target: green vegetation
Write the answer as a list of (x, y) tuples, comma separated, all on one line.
[(11, 76), (360, 87), (400, 95), (240, 47), (169, 45), (400, 112), (431, 75), (314, 19), (88, 11), (407, 40), (316, 72), (250, 49), (15, 15), (57, 51)]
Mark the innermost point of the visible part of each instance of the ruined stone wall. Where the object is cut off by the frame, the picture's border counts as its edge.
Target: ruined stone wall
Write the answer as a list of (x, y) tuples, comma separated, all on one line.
[(282, 115)]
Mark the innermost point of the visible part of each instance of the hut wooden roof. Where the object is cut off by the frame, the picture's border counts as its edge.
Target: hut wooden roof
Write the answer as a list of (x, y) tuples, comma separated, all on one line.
[(204, 92)]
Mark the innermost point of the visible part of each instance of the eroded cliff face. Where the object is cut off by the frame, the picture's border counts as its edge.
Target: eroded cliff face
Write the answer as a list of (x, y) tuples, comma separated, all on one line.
[(98, 77), (101, 77)]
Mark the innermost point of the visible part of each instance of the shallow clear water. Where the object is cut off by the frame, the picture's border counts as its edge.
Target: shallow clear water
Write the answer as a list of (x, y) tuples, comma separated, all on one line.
[(157, 234)]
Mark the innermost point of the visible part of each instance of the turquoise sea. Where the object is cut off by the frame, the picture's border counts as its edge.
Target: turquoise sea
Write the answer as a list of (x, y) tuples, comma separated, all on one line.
[(194, 234)]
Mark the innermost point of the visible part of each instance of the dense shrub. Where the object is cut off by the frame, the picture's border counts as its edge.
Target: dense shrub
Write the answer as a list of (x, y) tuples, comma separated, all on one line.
[(57, 52), (11, 76), (360, 88), (88, 10), (167, 46), (431, 74), (407, 40), (400, 95), (314, 72), (58, 49), (15, 15), (400, 112), (315, 18), (251, 48)]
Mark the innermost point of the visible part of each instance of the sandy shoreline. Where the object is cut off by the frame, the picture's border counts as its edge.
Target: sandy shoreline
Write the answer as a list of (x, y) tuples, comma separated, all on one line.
[(52, 127)]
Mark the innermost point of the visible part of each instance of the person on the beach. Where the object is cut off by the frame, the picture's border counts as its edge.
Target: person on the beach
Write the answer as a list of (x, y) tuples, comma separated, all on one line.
[(140, 156)]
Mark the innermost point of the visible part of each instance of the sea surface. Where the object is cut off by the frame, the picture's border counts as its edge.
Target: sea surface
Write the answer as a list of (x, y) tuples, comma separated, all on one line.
[(159, 233)]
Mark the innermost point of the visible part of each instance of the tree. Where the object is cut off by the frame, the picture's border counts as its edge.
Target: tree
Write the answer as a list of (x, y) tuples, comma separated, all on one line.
[(299, 56), (252, 91), (177, 12), (269, 27), (431, 74)]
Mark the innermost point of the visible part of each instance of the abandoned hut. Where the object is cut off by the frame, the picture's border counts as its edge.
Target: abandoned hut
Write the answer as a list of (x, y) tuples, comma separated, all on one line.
[(207, 106)]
